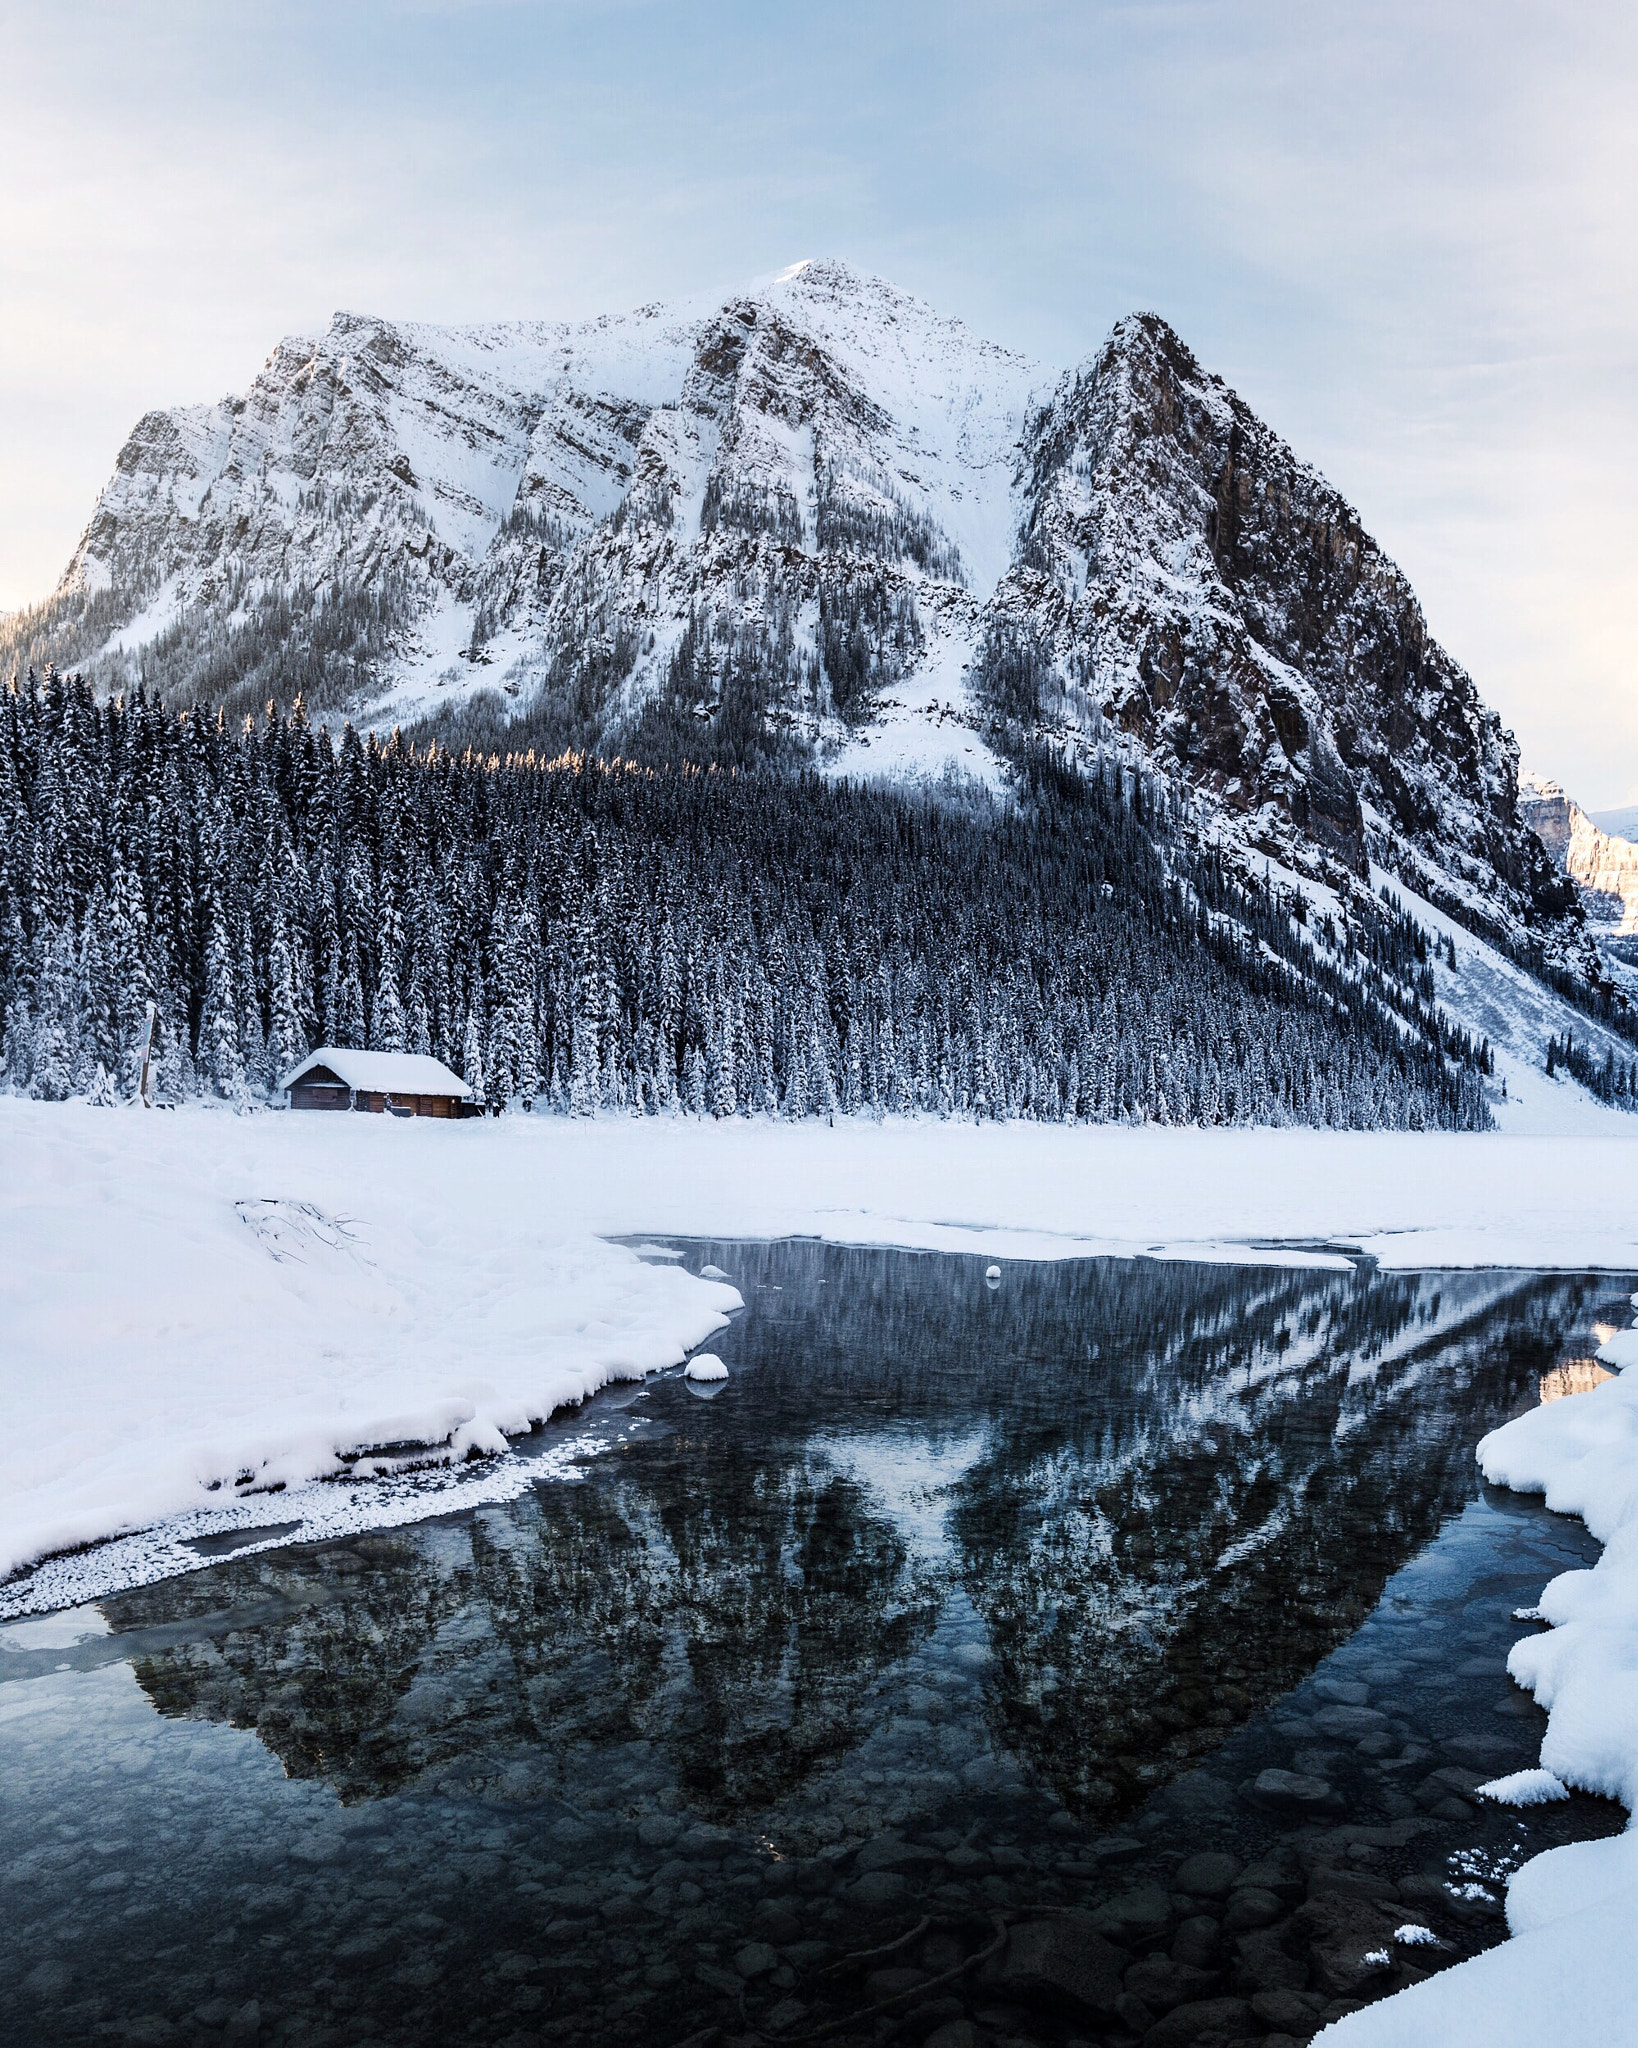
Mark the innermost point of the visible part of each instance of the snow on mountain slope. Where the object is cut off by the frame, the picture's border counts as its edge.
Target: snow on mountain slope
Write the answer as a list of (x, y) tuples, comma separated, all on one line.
[(1496, 999), (398, 515), (952, 405), (380, 459), (1621, 823), (925, 728)]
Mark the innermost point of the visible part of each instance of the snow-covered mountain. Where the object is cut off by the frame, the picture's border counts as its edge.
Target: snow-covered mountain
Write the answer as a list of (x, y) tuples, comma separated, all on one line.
[(1603, 866), (1212, 596), (813, 477), (818, 518)]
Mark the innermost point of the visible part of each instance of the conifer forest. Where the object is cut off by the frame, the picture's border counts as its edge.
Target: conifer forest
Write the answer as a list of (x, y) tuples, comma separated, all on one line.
[(599, 937)]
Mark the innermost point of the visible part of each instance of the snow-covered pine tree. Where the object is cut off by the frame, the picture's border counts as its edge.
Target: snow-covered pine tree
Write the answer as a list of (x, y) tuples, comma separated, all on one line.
[(472, 1058), (286, 1040), (55, 1037), (221, 1056), (387, 1030)]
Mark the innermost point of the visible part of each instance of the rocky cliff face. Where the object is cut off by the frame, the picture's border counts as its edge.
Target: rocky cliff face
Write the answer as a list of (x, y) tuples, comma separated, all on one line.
[(1194, 586), (816, 520), (1603, 868)]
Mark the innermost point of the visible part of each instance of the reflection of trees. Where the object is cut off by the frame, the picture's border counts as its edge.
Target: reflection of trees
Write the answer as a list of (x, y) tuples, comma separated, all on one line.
[(1194, 1481), (755, 1604), (731, 1614), (1143, 1597)]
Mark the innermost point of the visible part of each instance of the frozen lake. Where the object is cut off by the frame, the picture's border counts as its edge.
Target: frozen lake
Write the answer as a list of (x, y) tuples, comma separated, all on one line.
[(1165, 1595)]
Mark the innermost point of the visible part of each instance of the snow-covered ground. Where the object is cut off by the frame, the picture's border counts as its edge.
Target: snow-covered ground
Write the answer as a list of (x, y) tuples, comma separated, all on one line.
[(197, 1307), (926, 727)]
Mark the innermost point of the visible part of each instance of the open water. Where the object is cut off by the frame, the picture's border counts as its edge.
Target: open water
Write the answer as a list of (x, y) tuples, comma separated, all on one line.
[(1107, 1653)]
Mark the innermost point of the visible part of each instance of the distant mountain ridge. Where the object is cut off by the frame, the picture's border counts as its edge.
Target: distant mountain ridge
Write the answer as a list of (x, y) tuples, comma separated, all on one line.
[(816, 521), (1619, 824), (1603, 866)]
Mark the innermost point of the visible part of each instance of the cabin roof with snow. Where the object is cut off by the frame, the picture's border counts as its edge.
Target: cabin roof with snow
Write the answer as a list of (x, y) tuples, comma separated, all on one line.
[(382, 1073)]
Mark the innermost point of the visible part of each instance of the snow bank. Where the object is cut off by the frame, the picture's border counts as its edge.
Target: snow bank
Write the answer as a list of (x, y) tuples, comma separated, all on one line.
[(196, 1306), (1567, 1984), (1621, 1350), (1570, 1973)]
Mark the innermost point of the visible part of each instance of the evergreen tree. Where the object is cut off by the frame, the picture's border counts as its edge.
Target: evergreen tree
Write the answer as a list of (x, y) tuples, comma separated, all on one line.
[(51, 1062), (472, 1058), (221, 1051), (286, 1040)]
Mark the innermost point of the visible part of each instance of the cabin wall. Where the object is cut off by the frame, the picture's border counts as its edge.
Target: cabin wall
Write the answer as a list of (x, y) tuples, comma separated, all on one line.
[(304, 1096), (421, 1105)]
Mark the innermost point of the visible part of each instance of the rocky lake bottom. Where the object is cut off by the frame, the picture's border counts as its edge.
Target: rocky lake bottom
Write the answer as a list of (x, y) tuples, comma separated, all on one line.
[(1103, 1652)]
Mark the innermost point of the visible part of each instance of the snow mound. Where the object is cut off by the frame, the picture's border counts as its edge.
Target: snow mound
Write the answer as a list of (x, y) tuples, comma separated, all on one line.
[(706, 1367), (1621, 1350), (298, 1232), (1525, 1788)]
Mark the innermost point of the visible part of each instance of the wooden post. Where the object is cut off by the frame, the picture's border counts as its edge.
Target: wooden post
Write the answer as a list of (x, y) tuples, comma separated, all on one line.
[(147, 1054)]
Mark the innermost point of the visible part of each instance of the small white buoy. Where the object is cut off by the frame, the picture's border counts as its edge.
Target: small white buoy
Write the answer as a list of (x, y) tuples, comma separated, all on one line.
[(705, 1366), (712, 1273)]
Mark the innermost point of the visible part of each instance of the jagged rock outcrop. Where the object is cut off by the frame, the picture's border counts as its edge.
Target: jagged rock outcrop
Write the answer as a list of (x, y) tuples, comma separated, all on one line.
[(760, 528), (1603, 867), (1198, 588)]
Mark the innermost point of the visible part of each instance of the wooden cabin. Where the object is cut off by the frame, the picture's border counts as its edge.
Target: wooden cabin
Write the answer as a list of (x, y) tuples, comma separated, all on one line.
[(396, 1083)]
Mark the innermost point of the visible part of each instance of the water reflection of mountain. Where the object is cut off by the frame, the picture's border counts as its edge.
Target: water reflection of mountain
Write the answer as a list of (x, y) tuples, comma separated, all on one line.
[(1165, 1491)]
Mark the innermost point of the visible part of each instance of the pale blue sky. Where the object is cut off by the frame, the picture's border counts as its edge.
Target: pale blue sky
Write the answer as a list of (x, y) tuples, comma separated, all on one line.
[(1405, 233)]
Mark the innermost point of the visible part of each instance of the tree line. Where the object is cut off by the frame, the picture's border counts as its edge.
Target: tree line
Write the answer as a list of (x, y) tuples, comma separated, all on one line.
[(1611, 1080), (598, 937)]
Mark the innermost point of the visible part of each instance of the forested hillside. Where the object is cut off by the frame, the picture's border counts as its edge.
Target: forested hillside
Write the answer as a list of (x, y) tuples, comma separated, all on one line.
[(597, 937)]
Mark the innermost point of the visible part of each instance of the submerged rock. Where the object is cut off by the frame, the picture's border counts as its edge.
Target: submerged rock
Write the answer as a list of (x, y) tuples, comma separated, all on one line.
[(1350, 1942), (1163, 1984), (1289, 1789), (1208, 1875), (1141, 1915), (1207, 2023), (1061, 1960)]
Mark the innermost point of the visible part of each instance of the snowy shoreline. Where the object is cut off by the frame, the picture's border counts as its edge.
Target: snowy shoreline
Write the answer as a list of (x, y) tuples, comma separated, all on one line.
[(200, 1306), (1568, 1973), (195, 1300)]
